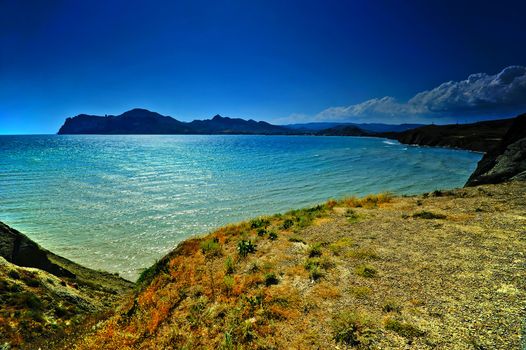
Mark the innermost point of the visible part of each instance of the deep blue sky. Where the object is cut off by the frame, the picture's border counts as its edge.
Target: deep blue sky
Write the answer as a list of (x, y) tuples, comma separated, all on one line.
[(268, 60)]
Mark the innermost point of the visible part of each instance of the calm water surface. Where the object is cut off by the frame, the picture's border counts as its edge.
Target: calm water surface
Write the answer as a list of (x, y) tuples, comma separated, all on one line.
[(119, 202)]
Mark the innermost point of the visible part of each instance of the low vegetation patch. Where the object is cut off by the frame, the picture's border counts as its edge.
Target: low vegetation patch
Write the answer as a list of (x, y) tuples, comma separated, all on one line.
[(297, 239), (403, 329), (315, 250), (370, 201), (259, 222), (366, 271), (211, 247), (229, 265), (362, 253), (428, 215), (271, 279), (245, 247), (341, 245), (353, 328), (352, 215)]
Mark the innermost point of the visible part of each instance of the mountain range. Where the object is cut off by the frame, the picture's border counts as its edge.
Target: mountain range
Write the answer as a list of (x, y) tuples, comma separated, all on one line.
[(142, 121)]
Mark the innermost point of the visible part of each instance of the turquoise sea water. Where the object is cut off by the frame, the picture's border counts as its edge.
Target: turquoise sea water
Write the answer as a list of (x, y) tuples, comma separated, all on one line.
[(119, 202)]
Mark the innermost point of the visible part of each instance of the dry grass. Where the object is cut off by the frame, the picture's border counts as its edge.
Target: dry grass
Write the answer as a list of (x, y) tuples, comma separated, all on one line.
[(386, 280)]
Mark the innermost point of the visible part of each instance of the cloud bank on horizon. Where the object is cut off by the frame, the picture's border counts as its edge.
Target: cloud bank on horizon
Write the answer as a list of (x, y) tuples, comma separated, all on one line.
[(477, 96)]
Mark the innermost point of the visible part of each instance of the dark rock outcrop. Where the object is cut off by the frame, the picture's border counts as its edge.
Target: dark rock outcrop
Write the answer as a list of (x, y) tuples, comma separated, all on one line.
[(481, 136), (16, 248), (142, 121), (506, 161)]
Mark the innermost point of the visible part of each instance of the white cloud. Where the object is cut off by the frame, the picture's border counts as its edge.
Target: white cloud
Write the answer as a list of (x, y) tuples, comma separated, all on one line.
[(479, 94)]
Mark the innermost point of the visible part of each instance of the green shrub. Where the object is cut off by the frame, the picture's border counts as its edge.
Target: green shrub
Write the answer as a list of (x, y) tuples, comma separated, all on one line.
[(228, 282), (315, 250), (340, 245), (229, 265), (288, 223), (254, 268), (351, 215), (428, 215), (353, 328), (313, 265), (296, 239), (245, 247), (304, 221), (259, 222), (272, 236), (326, 263), (391, 306), (310, 263), (261, 232), (211, 247), (14, 274), (315, 273), (29, 300), (271, 279), (366, 271), (228, 343), (254, 301), (198, 311), (403, 329), (147, 275), (31, 281)]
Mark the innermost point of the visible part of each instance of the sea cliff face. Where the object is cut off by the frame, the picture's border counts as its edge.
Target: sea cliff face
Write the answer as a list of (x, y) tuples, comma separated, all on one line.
[(507, 160), (480, 137)]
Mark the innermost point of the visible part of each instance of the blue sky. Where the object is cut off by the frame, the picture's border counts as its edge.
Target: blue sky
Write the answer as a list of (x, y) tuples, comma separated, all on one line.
[(280, 61)]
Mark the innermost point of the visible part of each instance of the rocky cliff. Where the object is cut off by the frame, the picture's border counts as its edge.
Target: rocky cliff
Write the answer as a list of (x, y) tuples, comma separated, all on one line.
[(480, 136), (506, 161)]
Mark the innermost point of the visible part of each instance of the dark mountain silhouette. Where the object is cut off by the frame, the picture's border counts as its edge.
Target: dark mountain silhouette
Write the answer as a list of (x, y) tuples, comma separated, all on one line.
[(142, 121)]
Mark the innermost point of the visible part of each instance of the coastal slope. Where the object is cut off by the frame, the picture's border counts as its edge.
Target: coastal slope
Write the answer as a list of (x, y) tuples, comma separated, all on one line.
[(443, 270), (44, 298)]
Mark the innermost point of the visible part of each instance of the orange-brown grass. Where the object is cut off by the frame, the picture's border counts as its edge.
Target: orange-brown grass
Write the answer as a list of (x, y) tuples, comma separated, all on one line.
[(325, 290)]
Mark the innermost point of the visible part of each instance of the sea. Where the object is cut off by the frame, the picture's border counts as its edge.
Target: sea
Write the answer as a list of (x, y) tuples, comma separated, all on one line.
[(120, 202)]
